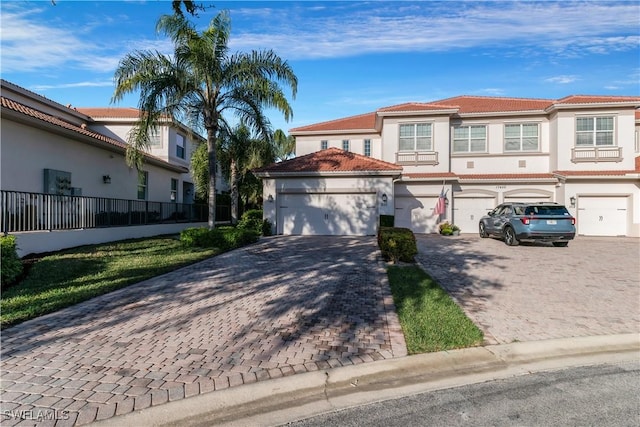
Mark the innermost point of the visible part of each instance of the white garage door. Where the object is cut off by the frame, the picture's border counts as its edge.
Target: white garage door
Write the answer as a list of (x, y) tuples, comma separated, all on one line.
[(527, 199), (467, 212), (328, 214), (602, 216), (416, 213)]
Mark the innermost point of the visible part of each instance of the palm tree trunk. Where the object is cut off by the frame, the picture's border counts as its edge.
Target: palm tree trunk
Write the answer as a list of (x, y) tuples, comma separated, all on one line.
[(211, 148), (234, 191)]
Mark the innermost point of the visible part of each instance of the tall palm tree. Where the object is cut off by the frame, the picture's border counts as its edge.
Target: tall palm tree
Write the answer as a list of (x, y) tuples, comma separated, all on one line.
[(239, 152), (199, 83)]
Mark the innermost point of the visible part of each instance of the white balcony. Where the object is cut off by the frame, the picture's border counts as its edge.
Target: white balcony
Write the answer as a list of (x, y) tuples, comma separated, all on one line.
[(596, 154), (417, 158)]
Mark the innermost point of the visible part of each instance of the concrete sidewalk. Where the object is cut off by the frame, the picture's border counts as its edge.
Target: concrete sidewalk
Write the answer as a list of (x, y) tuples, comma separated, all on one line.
[(301, 396)]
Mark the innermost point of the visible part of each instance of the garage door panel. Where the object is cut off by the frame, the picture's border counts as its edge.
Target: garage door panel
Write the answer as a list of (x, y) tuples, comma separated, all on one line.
[(328, 214), (416, 213), (602, 216), (467, 211)]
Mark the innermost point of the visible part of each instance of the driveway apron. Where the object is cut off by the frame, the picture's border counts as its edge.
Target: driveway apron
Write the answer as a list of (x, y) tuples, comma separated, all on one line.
[(536, 291), (282, 306)]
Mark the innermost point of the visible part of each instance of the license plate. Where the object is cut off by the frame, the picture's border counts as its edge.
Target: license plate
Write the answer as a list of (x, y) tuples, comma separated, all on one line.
[(551, 222)]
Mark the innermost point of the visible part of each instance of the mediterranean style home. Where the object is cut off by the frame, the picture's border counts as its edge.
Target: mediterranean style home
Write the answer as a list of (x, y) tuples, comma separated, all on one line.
[(65, 182), (476, 152)]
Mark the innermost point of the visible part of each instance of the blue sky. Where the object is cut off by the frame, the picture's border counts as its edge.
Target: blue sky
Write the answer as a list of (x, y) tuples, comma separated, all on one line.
[(350, 57)]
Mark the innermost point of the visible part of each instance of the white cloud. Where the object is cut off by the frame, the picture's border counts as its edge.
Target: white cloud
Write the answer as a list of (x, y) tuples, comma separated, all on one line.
[(72, 85), (561, 79)]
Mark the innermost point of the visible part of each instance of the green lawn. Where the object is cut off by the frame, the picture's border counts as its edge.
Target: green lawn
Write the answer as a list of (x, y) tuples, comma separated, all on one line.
[(71, 276), (430, 319)]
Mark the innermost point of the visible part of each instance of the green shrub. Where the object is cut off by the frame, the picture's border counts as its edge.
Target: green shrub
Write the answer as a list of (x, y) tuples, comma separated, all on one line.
[(11, 266), (387, 220), (397, 244), (224, 238), (252, 220)]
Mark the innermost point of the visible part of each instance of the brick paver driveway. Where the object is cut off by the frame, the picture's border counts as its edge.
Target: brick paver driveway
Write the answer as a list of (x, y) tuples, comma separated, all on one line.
[(281, 306), (536, 291)]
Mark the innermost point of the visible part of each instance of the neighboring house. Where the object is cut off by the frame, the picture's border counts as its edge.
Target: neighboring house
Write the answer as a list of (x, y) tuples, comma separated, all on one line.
[(63, 169), (581, 151)]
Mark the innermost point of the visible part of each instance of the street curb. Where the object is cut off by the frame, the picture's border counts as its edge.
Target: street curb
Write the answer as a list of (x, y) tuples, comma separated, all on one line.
[(298, 396)]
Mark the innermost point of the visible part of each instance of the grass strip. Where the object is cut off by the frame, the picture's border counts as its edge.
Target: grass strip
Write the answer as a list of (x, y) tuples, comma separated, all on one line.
[(430, 319), (71, 276)]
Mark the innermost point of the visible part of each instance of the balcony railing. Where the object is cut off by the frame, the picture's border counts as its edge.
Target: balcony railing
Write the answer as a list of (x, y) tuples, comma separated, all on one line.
[(21, 211), (596, 154), (417, 158)]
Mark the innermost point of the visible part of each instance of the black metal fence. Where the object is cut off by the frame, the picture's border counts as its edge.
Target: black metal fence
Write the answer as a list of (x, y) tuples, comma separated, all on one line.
[(22, 211)]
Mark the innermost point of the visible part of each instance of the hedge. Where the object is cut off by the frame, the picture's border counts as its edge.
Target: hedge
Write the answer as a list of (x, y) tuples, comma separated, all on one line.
[(397, 244)]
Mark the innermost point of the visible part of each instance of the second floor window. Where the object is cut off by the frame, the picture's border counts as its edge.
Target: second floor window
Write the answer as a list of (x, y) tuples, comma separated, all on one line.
[(521, 137), (415, 137), (470, 139), (324, 144), (367, 147), (594, 131), (180, 146), (345, 145), (143, 179)]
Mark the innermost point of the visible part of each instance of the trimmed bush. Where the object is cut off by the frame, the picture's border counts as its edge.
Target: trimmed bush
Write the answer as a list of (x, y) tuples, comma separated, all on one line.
[(252, 220), (11, 266), (397, 244), (224, 238)]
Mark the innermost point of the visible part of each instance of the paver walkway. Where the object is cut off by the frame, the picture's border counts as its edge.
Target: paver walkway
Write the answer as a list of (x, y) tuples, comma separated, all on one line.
[(282, 306), (535, 291)]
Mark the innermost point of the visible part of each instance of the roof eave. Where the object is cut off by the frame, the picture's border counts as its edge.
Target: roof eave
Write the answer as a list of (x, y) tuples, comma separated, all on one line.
[(326, 173), (591, 105)]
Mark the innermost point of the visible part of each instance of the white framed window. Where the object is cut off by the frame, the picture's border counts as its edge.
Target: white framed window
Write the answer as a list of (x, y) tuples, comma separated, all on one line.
[(174, 190), (143, 181), (521, 137), (367, 147), (470, 139), (594, 131), (324, 144), (345, 144), (415, 137), (180, 151)]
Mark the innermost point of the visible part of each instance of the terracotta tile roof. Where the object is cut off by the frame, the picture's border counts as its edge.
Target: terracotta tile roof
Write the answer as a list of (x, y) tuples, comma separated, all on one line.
[(416, 106), (486, 104), (597, 173), (330, 160), (109, 112), (592, 99), (637, 114), (429, 175), (361, 122), (80, 130), (506, 176)]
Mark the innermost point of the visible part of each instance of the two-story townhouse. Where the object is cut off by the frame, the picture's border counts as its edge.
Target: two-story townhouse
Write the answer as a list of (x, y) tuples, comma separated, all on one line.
[(64, 170), (581, 151)]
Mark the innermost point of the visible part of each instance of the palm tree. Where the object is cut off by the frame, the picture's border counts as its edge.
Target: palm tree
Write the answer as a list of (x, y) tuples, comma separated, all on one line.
[(239, 152), (199, 83), (284, 145)]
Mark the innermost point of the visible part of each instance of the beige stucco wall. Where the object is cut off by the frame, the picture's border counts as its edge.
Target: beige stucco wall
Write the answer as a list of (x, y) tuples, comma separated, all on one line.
[(311, 144), (26, 151), (47, 241)]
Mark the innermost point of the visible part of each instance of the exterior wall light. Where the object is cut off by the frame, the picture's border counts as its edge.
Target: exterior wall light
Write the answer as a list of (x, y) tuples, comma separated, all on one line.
[(384, 199), (572, 200), (106, 179), (270, 198)]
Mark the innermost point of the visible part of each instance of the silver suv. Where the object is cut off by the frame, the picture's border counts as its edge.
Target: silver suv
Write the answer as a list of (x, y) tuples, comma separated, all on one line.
[(515, 222)]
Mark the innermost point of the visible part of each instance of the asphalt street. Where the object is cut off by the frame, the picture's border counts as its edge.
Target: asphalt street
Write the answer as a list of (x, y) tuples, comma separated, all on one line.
[(602, 395)]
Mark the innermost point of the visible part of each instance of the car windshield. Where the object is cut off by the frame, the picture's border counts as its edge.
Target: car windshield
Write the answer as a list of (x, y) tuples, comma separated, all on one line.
[(546, 210)]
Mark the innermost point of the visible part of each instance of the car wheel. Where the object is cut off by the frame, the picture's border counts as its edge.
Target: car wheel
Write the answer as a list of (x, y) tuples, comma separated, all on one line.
[(560, 244), (510, 237), (483, 231)]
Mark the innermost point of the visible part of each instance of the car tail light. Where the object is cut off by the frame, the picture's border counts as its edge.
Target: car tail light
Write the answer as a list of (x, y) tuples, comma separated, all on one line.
[(573, 221), (525, 220)]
